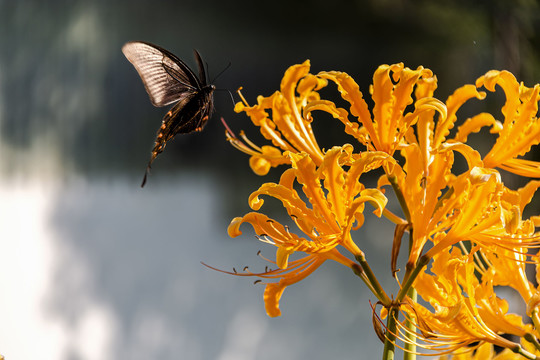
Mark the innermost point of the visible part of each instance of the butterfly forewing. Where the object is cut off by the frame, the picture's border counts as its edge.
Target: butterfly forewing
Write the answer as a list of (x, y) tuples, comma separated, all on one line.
[(166, 78)]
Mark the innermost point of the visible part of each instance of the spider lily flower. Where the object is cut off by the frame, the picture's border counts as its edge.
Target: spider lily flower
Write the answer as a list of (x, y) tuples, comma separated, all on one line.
[(473, 208), (448, 210), (445, 209), (288, 127), (422, 194), (504, 265), (499, 225), (392, 90), (517, 133), (521, 126), (465, 310), (335, 205)]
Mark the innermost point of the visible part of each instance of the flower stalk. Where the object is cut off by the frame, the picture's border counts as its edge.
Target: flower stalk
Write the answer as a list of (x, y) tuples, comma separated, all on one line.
[(374, 283), (391, 329)]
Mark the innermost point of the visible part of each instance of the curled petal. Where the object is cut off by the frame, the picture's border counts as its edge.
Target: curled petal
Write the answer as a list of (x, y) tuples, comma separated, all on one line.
[(307, 176), (350, 91), (475, 124), (234, 227), (527, 192), (351, 128), (453, 104), (334, 182), (281, 120), (472, 156), (254, 201), (272, 295)]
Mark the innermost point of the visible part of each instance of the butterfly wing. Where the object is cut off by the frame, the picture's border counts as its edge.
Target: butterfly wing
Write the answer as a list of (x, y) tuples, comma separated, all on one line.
[(167, 79), (200, 65)]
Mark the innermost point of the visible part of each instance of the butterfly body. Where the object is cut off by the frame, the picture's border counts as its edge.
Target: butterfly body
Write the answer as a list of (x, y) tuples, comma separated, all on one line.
[(189, 115), (167, 80)]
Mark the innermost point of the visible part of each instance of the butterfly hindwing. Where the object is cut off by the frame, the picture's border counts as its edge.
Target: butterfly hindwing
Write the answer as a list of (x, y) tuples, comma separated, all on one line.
[(200, 65)]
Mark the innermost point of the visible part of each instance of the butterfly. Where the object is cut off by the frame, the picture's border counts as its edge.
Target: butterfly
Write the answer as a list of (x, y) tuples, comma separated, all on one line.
[(167, 80)]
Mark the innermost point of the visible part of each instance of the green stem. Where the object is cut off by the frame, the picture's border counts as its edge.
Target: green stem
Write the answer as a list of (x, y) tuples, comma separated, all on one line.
[(410, 347), (536, 319), (391, 329), (520, 350), (411, 276), (357, 269), (373, 282), (533, 340), (393, 181)]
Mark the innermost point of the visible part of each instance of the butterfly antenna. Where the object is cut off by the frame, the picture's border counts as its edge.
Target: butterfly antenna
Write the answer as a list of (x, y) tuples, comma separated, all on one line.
[(230, 94), (222, 71)]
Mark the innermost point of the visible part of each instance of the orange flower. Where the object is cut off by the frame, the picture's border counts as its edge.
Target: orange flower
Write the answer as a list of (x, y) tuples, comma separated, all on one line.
[(472, 210), (336, 202), (465, 310), (521, 127), (392, 90), (288, 127)]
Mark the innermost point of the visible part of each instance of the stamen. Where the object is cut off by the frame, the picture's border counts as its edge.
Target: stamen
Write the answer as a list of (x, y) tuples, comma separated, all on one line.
[(265, 238), (227, 128), (239, 92), (243, 136)]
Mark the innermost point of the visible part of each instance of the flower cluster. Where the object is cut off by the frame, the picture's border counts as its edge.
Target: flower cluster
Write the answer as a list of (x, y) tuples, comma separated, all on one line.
[(468, 235)]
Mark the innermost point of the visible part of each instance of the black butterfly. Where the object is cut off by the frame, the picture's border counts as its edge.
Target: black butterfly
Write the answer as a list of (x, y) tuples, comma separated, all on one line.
[(167, 80)]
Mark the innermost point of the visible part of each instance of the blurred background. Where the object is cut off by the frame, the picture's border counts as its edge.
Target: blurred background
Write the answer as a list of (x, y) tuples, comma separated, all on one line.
[(94, 267)]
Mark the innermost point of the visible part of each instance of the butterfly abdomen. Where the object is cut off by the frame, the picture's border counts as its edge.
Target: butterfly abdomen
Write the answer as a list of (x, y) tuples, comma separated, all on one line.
[(185, 117)]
